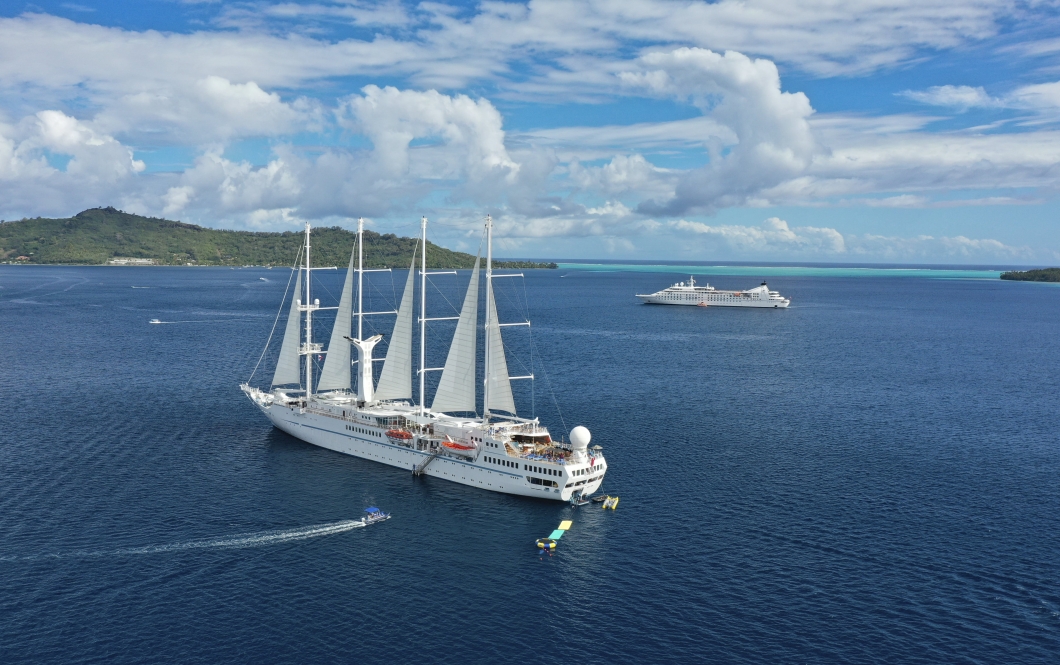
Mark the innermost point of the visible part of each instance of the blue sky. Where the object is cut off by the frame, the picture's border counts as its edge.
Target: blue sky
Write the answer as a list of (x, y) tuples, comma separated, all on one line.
[(899, 131)]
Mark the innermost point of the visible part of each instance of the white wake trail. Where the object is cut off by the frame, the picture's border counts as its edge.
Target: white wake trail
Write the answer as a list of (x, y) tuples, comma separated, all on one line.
[(231, 318), (250, 539), (258, 539)]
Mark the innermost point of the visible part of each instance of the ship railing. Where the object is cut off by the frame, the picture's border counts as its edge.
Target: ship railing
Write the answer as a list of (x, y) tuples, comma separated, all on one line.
[(338, 416), (547, 459)]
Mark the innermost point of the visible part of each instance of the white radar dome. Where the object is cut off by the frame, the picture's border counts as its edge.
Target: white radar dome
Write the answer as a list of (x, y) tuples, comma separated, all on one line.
[(580, 437)]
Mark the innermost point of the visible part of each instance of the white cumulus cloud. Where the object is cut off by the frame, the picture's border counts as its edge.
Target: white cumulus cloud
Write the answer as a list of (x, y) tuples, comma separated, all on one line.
[(957, 96), (774, 234), (91, 166), (624, 174), (773, 138), (208, 110), (393, 118), (420, 141)]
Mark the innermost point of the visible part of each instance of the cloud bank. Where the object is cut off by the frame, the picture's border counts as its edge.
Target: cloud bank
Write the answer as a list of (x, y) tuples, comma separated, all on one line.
[(257, 109), (775, 238)]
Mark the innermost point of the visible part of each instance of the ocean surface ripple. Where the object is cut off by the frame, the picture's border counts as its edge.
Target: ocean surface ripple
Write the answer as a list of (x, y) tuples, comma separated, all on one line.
[(870, 476)]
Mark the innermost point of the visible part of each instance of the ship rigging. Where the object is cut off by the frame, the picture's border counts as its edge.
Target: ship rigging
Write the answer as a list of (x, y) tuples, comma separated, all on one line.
[(497, 451)]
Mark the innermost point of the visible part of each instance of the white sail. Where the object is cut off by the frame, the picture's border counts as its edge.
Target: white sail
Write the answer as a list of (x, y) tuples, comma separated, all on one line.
[(456, 388), (499, 386), (395, 381), (287, 364), (336, 372)]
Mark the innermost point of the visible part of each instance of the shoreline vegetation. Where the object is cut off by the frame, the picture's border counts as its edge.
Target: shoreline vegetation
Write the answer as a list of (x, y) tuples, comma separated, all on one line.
[(106, 236), (1040, 275)]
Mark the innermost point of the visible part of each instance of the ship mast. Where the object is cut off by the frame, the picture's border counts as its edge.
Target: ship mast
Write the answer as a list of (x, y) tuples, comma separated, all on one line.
[(489, 294), (360, 277), (308, 323), (423, 313)]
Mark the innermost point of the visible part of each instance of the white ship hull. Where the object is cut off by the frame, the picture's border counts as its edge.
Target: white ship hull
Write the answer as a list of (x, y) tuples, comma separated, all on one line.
[(370, 443)]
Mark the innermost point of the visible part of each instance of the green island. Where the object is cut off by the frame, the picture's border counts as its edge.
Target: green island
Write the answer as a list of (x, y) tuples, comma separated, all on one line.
[(102, 236), (1041, 275)]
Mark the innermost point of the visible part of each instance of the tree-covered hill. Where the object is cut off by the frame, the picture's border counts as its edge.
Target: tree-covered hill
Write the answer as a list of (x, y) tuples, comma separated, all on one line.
[(98, 235), (1041, 275)]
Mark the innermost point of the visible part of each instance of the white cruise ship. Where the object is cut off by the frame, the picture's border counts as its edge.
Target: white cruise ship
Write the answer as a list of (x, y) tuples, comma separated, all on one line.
[(708, 296), (448, 439)]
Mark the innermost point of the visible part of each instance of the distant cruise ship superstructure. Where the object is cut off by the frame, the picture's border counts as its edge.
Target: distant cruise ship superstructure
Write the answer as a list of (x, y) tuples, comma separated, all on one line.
[(708, 296), (448, 439)]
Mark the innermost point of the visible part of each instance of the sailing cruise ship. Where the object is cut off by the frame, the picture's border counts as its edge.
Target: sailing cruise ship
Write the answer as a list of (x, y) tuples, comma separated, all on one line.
[(448, 439), (708, 296)]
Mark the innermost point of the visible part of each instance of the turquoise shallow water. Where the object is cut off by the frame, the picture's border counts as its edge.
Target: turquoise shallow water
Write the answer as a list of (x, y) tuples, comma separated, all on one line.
[(789, 271)]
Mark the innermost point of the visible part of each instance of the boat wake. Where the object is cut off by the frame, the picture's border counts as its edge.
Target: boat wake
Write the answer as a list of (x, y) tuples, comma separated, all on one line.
[(234, 318), (237, 541)]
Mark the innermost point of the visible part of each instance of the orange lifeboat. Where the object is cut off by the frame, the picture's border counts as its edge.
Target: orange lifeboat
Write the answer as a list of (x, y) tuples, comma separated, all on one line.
[(459, 447), (399, 436)]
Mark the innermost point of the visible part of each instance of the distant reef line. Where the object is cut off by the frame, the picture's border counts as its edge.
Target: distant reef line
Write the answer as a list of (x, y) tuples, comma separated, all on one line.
[(106, 236), (1040, 275)]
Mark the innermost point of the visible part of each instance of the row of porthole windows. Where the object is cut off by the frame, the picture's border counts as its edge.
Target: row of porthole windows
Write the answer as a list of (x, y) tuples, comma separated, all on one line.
[(540, 469), (582, 472)]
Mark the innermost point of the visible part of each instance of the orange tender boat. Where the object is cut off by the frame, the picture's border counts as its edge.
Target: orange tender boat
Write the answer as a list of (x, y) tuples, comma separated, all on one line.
[(399, 436)]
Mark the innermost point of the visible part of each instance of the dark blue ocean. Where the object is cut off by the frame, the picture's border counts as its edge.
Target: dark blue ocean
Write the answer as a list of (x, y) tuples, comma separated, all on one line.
[(871, 476)]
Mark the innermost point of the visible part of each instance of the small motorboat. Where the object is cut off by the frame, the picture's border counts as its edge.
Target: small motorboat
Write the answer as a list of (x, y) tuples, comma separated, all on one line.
[(600, 499), (154, 321), (373, 515)]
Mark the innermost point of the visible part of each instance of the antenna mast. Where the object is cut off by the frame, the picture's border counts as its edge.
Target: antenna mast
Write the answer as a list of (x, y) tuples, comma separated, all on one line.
[(489, 295), (360, 277), (308, 323), (423, 312)]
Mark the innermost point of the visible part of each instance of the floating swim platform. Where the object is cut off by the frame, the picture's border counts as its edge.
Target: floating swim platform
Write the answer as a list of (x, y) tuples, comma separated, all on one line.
[(550, 542), (611, 502)]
